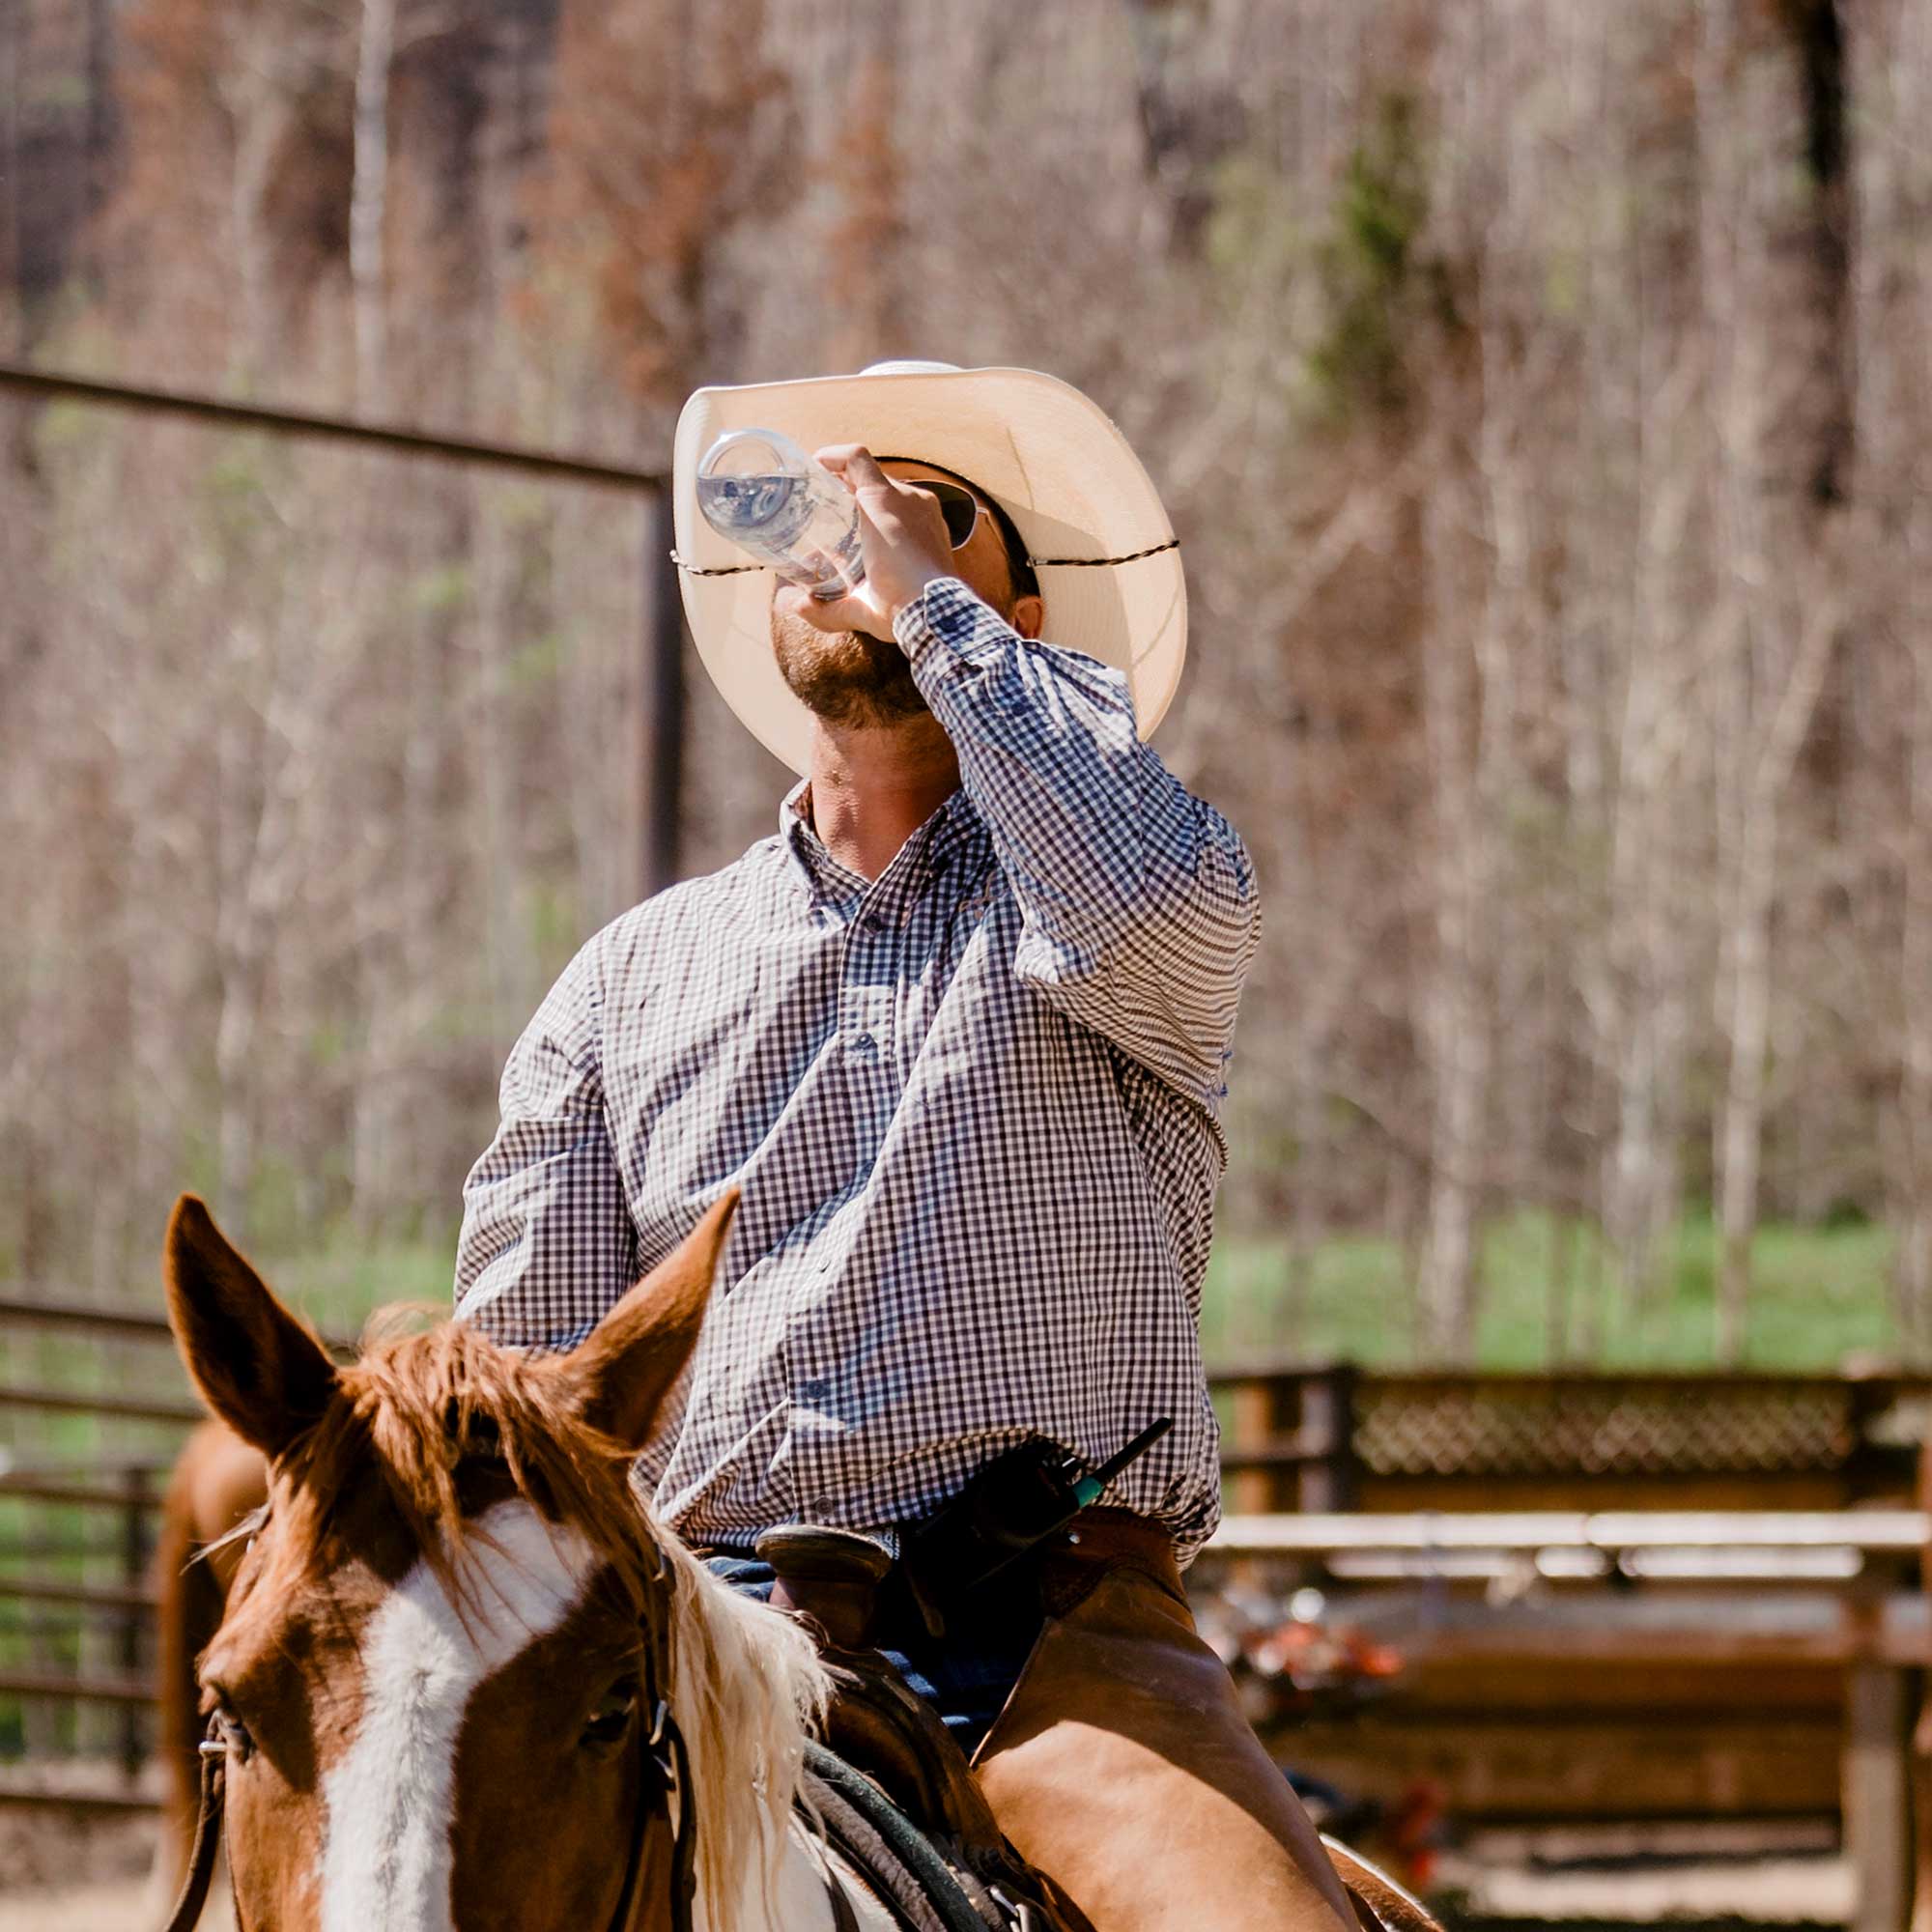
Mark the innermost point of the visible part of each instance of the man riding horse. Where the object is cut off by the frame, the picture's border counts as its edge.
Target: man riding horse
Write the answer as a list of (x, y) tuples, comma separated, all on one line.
[(958, 1031)]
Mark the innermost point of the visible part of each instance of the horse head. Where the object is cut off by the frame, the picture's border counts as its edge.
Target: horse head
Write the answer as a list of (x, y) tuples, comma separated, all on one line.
[(433, 1690)]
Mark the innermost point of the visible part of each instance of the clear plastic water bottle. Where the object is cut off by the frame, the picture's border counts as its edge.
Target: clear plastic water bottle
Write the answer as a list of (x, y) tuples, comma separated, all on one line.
[(759, 489)]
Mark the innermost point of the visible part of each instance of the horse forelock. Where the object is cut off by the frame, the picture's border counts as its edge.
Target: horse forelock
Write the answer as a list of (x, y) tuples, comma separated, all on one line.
[(447, 1423)]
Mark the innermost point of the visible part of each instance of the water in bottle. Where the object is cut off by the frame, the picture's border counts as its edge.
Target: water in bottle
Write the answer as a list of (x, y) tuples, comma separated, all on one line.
[(760, 490)]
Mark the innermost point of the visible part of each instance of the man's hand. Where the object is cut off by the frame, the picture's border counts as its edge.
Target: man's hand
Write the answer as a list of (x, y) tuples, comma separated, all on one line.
[(901, 538)]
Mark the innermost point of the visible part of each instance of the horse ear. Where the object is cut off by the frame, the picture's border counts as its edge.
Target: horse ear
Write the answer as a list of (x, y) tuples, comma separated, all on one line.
[(621, 1372), (256, 1366)]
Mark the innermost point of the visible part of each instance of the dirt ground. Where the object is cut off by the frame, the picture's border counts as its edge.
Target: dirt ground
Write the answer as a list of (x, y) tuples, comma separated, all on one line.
[(63, 1872), (1794, 1891), (79, 1872)]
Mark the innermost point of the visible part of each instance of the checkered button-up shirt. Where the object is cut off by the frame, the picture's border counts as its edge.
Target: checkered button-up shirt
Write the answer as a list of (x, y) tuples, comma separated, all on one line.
[(973, 1106)]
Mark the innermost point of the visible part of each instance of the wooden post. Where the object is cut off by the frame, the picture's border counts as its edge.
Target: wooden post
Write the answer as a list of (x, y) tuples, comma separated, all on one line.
[(1876, 1795), (1329, 1424), (656, 751), (1870, 1468), (1251, 1412), (136, 1553)]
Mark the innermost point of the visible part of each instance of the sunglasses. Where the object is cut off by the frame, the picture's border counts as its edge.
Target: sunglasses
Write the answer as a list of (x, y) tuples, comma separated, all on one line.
[(960, 508)]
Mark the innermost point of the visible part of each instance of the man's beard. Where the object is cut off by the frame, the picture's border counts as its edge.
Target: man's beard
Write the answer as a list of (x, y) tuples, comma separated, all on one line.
[(847, 678)]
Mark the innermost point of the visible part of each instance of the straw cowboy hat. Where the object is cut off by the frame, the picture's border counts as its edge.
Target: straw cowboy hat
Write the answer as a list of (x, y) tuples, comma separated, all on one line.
[(1107, 560)]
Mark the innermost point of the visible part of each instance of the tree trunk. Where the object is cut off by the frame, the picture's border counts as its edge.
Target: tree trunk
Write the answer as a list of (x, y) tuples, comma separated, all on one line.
[(369, 206)]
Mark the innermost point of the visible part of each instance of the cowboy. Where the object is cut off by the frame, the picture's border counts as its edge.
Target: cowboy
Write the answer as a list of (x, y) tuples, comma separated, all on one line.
[(958, 1031)]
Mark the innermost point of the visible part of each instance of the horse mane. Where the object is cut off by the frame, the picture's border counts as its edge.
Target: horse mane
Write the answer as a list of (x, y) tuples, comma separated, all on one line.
[(746, 1683)]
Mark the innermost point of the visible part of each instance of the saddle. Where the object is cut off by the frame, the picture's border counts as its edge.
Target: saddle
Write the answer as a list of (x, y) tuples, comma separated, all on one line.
[(880, 1732), (1109, 1603)]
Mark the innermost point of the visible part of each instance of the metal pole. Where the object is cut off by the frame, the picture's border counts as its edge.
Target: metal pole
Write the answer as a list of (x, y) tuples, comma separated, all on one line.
[(50, 386), (658, 754)]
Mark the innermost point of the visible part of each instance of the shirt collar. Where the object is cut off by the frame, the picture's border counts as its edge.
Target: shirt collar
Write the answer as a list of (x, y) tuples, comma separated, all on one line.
[(822, 875), (930, 848)]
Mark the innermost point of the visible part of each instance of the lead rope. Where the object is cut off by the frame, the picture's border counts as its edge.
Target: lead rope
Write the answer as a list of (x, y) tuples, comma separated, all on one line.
[(684, 1843), (634, 1863), (200, 1873), (664, 1773)]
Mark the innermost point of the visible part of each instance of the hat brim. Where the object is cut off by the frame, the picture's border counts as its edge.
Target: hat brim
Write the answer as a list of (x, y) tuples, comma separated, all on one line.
[(1047, 455)]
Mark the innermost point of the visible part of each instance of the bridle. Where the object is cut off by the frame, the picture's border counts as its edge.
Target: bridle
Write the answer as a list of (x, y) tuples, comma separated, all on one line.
[(664, 1773)]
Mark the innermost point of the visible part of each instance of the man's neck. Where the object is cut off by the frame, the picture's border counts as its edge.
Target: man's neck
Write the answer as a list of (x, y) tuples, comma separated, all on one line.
[(872, 788)]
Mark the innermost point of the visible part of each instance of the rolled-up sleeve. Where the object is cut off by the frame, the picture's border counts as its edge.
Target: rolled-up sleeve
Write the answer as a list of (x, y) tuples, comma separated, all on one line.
[(547, 1243), (1139, 899)]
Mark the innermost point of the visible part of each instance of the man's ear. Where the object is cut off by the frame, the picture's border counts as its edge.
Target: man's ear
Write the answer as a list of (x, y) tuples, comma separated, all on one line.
[(1029, 616), (256, 1366), (621, 1372)]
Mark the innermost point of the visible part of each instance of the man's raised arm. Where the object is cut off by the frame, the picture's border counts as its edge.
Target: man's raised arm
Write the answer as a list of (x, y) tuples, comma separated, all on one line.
[(1139, 899), (547, 1243)]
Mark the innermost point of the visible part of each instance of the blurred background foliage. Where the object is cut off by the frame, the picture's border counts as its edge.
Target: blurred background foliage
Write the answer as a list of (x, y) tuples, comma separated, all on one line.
[(1541, 393)]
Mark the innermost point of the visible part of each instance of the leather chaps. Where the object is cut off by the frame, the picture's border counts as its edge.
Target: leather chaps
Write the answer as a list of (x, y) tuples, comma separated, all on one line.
[(1121, 1765)]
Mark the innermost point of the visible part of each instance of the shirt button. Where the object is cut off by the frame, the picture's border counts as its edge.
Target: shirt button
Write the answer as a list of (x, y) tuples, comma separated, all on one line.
[(815, 1389), (865, 1046)]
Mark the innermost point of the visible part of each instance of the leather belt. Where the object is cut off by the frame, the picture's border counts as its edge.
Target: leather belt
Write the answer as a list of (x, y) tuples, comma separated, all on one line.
[(846, 1584)]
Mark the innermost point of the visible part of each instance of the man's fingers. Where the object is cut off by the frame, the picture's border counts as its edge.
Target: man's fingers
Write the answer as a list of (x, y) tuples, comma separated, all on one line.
[(843, 613), (795, 601), (821, 613), (856, 466)]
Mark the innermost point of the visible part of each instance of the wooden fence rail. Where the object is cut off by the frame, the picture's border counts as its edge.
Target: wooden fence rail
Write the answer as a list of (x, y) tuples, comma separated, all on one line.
[(1330, 1467), (115, 1597), (135, 1494), (52, 1312), (1473, 1661), (1896, 1532), (128, 1490), (82, 1401), (1337, 1438), (135, 1691)]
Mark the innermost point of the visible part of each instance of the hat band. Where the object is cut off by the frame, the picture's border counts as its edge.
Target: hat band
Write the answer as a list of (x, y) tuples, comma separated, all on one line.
[(1095, 562), (690, 569)]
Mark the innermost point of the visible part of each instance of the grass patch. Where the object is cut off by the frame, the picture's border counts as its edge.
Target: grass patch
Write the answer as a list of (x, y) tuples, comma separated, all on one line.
[(1819, 1295), (338, 1289)]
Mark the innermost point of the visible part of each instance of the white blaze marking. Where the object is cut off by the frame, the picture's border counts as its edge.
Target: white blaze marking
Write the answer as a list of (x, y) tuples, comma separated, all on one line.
[(388, 1806)]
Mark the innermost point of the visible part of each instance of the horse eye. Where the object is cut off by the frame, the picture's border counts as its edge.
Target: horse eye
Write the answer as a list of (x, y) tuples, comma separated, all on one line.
[(610, 1718)]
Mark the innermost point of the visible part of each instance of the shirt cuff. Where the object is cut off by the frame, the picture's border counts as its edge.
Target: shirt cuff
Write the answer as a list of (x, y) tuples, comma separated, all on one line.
[(946, 627)]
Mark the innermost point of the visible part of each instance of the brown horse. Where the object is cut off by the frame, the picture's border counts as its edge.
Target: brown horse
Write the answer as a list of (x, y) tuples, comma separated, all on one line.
[(436, 1690), (460, 1679)]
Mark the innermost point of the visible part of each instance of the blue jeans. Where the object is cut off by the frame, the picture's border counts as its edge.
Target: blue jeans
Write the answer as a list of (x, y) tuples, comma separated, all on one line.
[(965, 1680)]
